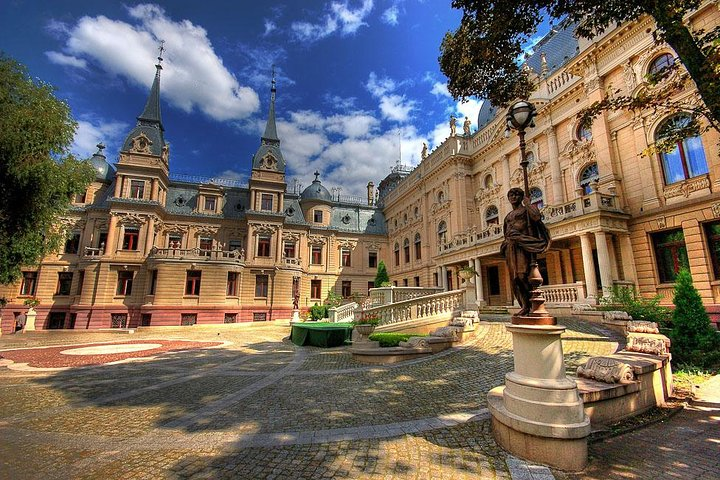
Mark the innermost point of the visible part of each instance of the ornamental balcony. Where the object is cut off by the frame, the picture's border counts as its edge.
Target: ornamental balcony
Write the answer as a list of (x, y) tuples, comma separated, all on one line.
[(197, 255)]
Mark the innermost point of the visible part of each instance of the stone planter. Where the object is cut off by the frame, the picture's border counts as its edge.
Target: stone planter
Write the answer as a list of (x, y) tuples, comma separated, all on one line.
[(365, 329), (466, 274)]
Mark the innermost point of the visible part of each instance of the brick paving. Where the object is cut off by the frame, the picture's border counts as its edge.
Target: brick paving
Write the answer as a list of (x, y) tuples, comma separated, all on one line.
[(260, 407)]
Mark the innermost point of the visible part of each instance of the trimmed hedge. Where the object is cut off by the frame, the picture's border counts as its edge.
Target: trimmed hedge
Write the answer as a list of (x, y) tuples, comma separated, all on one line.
[(393, 339)]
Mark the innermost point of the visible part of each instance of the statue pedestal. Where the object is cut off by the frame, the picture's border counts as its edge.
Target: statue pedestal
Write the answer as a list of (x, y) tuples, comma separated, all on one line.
[(295, 315), (538, 415), (30, 317)]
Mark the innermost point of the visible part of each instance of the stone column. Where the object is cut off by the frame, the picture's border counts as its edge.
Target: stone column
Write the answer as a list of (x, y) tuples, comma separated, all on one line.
[(604, 262), (614, 272), (149, 235), (628, 259), (506, 182), (118, 185), (111, 240), (647, 163), (554, 160), (87, 236), (438, 271), (443, 278), (479, 284), (566, 260), (588, 268), (154, 190)]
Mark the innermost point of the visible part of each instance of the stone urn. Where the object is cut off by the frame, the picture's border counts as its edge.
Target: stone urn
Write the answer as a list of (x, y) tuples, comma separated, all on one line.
[(466, 274), (365, 329)]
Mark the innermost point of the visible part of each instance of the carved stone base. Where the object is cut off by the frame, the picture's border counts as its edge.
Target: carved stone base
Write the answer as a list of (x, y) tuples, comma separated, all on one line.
[(533, 320)]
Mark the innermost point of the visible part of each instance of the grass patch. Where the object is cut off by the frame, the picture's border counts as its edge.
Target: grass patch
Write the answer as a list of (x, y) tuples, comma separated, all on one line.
[(686, 377), (393, 339)]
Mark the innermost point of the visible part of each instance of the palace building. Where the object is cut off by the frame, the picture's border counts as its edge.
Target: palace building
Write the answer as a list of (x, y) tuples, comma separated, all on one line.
[(150, 248)]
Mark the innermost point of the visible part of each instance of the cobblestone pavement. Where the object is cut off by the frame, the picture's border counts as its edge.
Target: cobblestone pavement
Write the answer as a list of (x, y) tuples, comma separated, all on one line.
[(259, 407)]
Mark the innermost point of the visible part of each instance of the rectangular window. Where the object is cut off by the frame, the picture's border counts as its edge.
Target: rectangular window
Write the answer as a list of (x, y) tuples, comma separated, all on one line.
[(72, 244), (29, 283), (130, 239), (259, 317), (187, 319), (405, 282), (232, 284), (102, 239), (435, 279), (174, 240), (118, 320), (261, 286), (372, 259), (345, 257), (153, 281), (316, 255), (146, 319), (670, 254), (230, 318), (289, 250), (712, 232), (210, 204), (406, 252), (234, 245), (346, 288), (64, 283), (192, 282), (370, 285), (206, 243), (317, 216), (397, 256), (417, 281), (315, 289), (266, 202), (124, 283), (263, 249), (80, 197), (56, 320), (81, 281), (137, 189)]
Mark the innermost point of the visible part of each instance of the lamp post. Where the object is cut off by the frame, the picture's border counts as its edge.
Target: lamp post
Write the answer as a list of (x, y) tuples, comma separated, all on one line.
[(521, 115)]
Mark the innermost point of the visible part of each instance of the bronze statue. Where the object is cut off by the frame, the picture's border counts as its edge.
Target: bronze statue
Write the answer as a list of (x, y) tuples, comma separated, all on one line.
[(525, 236)]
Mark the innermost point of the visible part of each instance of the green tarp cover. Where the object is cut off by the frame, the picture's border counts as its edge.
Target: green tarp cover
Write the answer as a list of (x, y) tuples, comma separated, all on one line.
[(320, 336)]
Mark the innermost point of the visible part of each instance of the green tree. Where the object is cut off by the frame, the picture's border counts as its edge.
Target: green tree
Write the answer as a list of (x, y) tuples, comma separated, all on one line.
[(38, 177), (382, 276), (480, 58), (694, 340)]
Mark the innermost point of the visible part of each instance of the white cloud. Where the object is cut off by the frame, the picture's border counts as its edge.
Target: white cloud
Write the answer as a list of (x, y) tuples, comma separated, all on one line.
[(379, 86), (92, 131), (233, 175), (341, 17), (390, 16), (194, 77), (66, 60), (396, 107), (440, 89), (269, 27), (354, 125)]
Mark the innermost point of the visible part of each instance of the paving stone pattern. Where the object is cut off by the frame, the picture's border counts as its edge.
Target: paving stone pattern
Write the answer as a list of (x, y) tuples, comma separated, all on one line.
[(260, 407)]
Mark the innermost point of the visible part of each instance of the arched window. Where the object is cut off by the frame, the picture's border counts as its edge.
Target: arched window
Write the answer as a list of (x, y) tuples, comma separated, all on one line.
[(661, 62), (536, 197), (442, 233), (492, 216), (488, 183), (397, 254), (441, 196), (583, 132), (687, 159), (417, 212), (588, 176), (406, 250), (404, 217), (418, 247)]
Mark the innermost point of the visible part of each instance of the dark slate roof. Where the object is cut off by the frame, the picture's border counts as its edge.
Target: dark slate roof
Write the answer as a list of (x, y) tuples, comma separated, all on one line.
[(149, 121), (181, 199), (358, 220), (559, 46), (316, 192), (270, 143), (293, 211)]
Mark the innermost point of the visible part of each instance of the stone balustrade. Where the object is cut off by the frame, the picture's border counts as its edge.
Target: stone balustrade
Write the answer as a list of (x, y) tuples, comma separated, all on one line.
[(590, 203), (424, 307), (386, 295), (564, 293), (197, 254), (472, 237), (93, 252), (342, 313)]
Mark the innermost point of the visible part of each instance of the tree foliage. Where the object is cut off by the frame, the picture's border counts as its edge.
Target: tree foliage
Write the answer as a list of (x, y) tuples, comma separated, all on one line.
[(481, 58), (38, 177), (382, 276), (694, 340)]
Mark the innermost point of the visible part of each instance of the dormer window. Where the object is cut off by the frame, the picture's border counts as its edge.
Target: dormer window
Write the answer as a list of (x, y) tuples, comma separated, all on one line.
[(266, 202), (137, 189), (317, 216), (210, 204)]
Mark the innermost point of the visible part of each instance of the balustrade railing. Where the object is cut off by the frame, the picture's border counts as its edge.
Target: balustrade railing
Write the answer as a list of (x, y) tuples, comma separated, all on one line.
[(342, 313), (197, 253), (386, 295), (471, 238), (291, 262), (93, 252), (438, 305), (564, 293)]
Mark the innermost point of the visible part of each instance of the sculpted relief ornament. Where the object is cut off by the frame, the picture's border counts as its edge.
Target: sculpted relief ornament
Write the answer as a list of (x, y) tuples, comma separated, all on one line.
[(268, 162), (535, 174), (140, 144)]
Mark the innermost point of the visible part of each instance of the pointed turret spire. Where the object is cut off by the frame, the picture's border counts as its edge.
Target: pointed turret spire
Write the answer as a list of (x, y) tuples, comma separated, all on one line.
[(269, 156), (151, 113)]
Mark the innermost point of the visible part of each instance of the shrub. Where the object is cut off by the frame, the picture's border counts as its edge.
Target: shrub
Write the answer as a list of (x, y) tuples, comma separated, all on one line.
[(694, 340), (318, 312), (333, 299), (393, 339), (637, 306), (382, 276)]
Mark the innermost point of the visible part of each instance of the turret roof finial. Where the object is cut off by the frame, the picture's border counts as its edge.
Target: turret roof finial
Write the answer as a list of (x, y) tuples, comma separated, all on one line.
[(317, 174), (161, 49), (100, 146)]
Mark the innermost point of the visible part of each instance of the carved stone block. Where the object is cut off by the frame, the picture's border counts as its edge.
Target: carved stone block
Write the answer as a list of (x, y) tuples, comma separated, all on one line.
[(447, 332), (415, 342), (648, 343), (641, 326), (616, 315), (582, 307), (606, 370)]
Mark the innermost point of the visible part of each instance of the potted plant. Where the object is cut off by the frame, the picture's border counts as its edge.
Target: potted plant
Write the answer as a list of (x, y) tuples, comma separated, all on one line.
[(32, 303), (467, 272), (366, 324)]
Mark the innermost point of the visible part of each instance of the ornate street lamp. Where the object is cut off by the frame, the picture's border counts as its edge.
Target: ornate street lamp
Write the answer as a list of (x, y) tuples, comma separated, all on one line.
[(521, 115)]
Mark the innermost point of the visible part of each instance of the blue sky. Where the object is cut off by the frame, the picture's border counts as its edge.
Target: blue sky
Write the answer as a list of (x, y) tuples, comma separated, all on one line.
[(358, 80)]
